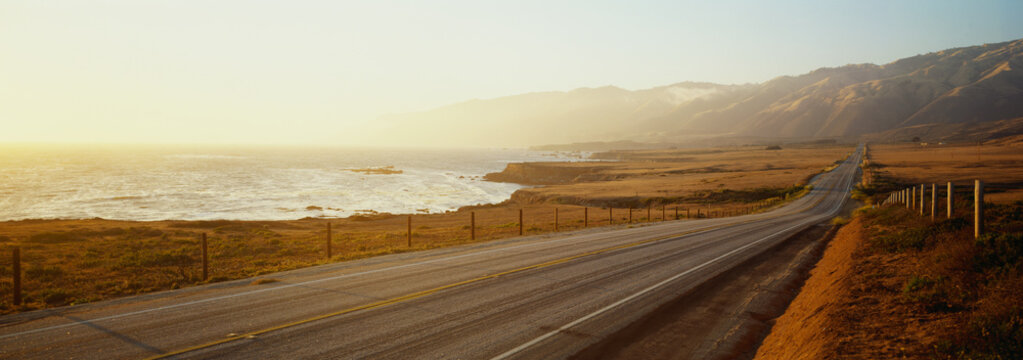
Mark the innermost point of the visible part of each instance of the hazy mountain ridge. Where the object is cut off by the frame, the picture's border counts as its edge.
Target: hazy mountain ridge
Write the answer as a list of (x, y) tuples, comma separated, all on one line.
[(961, 85)]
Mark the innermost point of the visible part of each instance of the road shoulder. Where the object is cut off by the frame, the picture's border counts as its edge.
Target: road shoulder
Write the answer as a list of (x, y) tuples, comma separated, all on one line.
[(733, 310)]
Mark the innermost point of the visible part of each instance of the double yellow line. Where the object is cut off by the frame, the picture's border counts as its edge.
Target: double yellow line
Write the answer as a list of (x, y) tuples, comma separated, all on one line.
[(423, 293)]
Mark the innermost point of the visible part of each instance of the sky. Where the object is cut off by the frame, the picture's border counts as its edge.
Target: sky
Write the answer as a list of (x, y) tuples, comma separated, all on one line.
[(317, 72)]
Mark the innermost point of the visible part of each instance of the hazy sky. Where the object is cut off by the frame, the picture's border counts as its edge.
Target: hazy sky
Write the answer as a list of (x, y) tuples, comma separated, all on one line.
[(250, 71)]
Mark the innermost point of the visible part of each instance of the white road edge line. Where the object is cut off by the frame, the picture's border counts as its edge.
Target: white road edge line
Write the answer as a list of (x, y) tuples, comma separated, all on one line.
[(82, 322), (578, 321), (304, 283)]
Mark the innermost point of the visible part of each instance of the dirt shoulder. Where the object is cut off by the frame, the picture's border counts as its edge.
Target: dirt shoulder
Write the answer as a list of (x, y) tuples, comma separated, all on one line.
[(733, 311), (893, 284), (67, 262)]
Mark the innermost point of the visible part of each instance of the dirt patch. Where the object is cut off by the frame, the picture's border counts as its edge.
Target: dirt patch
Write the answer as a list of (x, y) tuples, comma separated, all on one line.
[(852, 308), (894, 284), (733, 319), (801, 332)]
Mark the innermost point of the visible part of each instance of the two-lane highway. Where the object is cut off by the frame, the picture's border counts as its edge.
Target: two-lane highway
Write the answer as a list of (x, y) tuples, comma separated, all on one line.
[(531, 297)]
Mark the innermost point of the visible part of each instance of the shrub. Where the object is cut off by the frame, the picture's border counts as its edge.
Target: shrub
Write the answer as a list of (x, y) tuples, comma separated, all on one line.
[(909, 239), (107, 232), (44, 273), (995, 329), (998, 252), (914, 238), (166, 258), (934, 295), (54, 237), (55, 296), (143, 232)]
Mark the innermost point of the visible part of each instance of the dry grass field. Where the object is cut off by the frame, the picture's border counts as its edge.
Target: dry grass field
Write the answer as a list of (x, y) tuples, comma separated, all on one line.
[(688, 176), (999, 165), (79, 261)]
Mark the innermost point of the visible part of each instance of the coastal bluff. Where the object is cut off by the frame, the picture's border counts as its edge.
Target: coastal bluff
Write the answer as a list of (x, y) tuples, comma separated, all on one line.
[(552, 173)]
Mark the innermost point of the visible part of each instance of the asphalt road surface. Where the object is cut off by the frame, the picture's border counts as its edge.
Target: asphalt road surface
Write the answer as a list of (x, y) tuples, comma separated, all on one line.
[(531, 297)]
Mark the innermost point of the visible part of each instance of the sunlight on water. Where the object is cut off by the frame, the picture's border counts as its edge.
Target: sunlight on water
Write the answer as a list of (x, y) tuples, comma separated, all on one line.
[(243, 183)]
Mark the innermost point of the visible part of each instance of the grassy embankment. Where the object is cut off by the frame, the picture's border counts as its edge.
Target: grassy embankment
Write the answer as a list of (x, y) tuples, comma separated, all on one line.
[(79, 261), (894, 284)]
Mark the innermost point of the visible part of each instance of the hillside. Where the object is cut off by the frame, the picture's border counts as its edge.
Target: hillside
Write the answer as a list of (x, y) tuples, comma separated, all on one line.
[(952, 132), (957, 86), (587, 114)]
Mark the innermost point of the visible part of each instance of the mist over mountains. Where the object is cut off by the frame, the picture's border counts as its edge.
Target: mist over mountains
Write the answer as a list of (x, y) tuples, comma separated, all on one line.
[(940, 90)]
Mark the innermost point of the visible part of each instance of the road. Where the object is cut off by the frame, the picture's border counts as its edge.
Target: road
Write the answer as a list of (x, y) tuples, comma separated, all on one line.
[(531, 297)]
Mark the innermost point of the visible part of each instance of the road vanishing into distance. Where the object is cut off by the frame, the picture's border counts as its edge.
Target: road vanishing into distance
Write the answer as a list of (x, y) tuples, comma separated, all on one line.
[(532, 297)]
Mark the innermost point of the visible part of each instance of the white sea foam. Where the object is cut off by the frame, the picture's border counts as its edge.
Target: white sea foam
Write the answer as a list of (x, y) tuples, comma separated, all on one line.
[(151, 183)]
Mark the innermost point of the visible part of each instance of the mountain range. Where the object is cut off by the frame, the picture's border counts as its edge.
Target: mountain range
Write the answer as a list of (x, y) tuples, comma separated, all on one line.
[(948, 90)]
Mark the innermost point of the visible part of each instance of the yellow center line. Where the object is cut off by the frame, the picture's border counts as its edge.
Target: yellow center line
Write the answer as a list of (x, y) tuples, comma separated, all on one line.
[(429, 291), (423, 293)]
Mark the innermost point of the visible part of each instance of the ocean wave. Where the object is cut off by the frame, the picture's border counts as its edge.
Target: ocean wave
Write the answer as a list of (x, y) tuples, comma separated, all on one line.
[(261, 185)]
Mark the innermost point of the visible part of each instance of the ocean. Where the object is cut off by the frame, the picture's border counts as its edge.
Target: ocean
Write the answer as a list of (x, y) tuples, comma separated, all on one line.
[(123, 182)]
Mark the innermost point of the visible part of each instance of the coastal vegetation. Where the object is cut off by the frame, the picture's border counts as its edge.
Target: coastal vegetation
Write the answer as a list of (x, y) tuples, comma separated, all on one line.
[(893, 283), (68, 262)]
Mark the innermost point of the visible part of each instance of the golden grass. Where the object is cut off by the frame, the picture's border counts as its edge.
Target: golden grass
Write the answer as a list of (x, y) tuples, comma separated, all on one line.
[(999, 166), (674, 175), (79, 261)]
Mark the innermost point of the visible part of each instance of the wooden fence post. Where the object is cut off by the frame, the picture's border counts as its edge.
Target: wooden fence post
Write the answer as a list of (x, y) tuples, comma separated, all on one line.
[(912, 198), (676, 213), (978, 208), (408, 231), (329, 250), (934, 199), (630, 215), (923, 191), (648, 216), (555, 219), (586, 217), (205, 260), (472, 225), (520, 222), (951, 191), (16, 265), (662, 212), (687, 213)]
